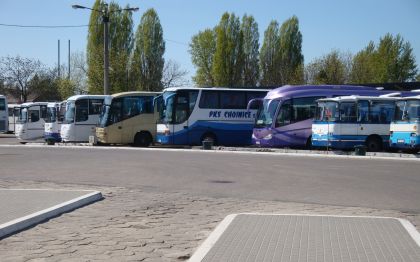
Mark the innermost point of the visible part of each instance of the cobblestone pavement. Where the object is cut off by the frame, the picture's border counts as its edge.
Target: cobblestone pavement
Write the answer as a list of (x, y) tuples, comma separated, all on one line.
[(143, 225)]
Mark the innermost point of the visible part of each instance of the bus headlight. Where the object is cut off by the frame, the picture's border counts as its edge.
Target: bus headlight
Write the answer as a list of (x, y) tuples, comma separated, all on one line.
[(413, 134), (268, 137), (253, 136)]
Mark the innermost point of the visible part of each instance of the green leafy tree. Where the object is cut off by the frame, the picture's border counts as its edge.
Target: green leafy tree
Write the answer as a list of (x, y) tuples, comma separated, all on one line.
[(148, 61), (228, 59), (269, 58), (44, 87), (120, 48), (363, 66), (202, 49), (66, 88), (290, 52), (249, 28), (329, 69)]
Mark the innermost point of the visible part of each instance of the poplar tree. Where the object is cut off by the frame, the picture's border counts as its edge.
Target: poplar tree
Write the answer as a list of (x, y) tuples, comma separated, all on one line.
[(228, 59), (290, 52), (251, 72), (269, 58), (148, 61), (202, 49), (120, 48)]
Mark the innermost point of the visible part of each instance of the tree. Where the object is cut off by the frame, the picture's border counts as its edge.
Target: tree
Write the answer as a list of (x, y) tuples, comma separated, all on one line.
[(148, 61), (228, 58), (17, 72), (120, 48), (251, 72), (202, 49), (269, 59), (363, 66), (332, 69), (66, 88), (44, 87), (173, 75), (290, 52)]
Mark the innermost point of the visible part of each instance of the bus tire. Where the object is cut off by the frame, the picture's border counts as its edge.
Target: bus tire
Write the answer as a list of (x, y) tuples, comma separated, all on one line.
[(142, 139), (209, 137), (308, 145), (374, 143), (23, 143)]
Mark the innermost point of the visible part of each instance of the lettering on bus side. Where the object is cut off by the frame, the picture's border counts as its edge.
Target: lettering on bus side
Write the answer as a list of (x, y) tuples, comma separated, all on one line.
[(231, 114)]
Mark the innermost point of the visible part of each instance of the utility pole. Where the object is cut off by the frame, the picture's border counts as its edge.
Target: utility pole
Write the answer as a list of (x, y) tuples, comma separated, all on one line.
[(105, 20), (69, 61), (59, 59)]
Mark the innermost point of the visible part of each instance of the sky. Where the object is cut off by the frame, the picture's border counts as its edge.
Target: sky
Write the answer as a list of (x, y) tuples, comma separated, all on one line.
[(345, 25)]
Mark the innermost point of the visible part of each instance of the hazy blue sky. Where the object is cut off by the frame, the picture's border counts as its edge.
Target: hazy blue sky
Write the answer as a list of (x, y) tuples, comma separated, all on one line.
[(347, 25)]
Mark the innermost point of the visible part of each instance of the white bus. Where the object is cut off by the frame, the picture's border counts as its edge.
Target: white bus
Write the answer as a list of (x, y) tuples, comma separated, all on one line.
[(13, 116), (31, 121), (81, 117), (3, 115), (348, 121), (128, 118), (188, 116), (55, 116)]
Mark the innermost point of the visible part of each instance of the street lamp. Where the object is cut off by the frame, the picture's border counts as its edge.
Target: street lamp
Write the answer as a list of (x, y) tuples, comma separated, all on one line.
[(105, 19)]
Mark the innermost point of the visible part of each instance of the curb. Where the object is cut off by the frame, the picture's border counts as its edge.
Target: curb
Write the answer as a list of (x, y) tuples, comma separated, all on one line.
[(19, 224)]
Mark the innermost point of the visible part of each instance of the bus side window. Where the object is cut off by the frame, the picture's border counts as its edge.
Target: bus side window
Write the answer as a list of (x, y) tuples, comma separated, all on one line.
[(209, 99), (43, 109), (82, 110), (363, 111), (348, 112), (285, 114), (33, 116), (95, 106)]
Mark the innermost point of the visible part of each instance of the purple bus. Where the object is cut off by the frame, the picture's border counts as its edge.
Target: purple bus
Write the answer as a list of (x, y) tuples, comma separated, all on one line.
[(285, 114)]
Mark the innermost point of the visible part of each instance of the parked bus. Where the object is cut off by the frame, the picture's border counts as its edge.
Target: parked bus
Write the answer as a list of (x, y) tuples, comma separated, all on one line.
[(349, 121), (31, 121), (285, 114), (3, 115), (81, 117), (188, 116), (128, 118), (55, 116), (13, 116), (405, 127)]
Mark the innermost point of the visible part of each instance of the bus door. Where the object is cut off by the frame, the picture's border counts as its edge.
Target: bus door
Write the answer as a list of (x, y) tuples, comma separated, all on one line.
[(36, 122), (363, 119), (180, 130), (349, 128)]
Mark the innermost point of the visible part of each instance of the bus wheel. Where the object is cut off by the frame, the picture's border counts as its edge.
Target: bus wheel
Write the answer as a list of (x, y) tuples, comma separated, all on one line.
[(142, 139), (209, 137), (50, 142), (23, 143), (308, 145), (374, 144)]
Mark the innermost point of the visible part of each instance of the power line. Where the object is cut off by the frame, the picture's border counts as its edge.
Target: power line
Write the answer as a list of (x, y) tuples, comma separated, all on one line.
[(176, 42), (44, 26)]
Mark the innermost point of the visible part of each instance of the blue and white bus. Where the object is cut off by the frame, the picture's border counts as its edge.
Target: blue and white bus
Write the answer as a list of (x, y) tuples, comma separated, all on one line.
[(31, 121), (55, 116), (405, 127), (348, 121), (188, 116)]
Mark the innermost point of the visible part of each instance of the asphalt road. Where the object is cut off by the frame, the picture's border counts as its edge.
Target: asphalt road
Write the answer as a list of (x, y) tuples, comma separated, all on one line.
[(382, 184)]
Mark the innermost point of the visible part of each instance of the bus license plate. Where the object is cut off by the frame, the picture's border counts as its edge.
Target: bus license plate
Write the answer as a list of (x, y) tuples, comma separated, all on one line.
[(400, 141)]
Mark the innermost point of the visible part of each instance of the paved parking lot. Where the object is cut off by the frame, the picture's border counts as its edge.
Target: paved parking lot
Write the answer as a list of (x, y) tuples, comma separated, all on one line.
[(143, 225)]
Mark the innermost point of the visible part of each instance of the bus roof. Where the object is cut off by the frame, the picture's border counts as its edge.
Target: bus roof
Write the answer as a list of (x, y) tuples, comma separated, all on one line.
[(173, 89), (134, 93), (77, 97), (410, 98), (28, 104), (357, 97)]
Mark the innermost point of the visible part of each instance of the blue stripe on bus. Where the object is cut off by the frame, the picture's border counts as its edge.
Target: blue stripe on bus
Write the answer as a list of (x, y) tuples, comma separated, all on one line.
[(404, 140)]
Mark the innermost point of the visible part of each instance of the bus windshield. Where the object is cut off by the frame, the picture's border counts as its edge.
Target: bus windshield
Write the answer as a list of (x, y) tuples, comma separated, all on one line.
[(166, 108), (23, 115), (412, 110), (51, 115), (70, 112), (327, 111), (266, 113)]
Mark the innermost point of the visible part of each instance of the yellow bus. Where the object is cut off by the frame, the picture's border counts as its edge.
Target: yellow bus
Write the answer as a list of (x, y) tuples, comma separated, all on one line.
[(128, 118)]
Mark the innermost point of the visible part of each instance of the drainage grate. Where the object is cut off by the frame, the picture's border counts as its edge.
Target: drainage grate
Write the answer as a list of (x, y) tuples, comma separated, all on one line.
[(252, 237)]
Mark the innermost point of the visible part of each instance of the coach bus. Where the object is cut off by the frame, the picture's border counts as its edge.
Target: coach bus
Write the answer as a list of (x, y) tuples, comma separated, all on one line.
[(55, 116), (81, 116), (285, 115), (3, 115), (31, 121), (13, 116), (188, 116), (405, 127), (128, 118), (348, 121)]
